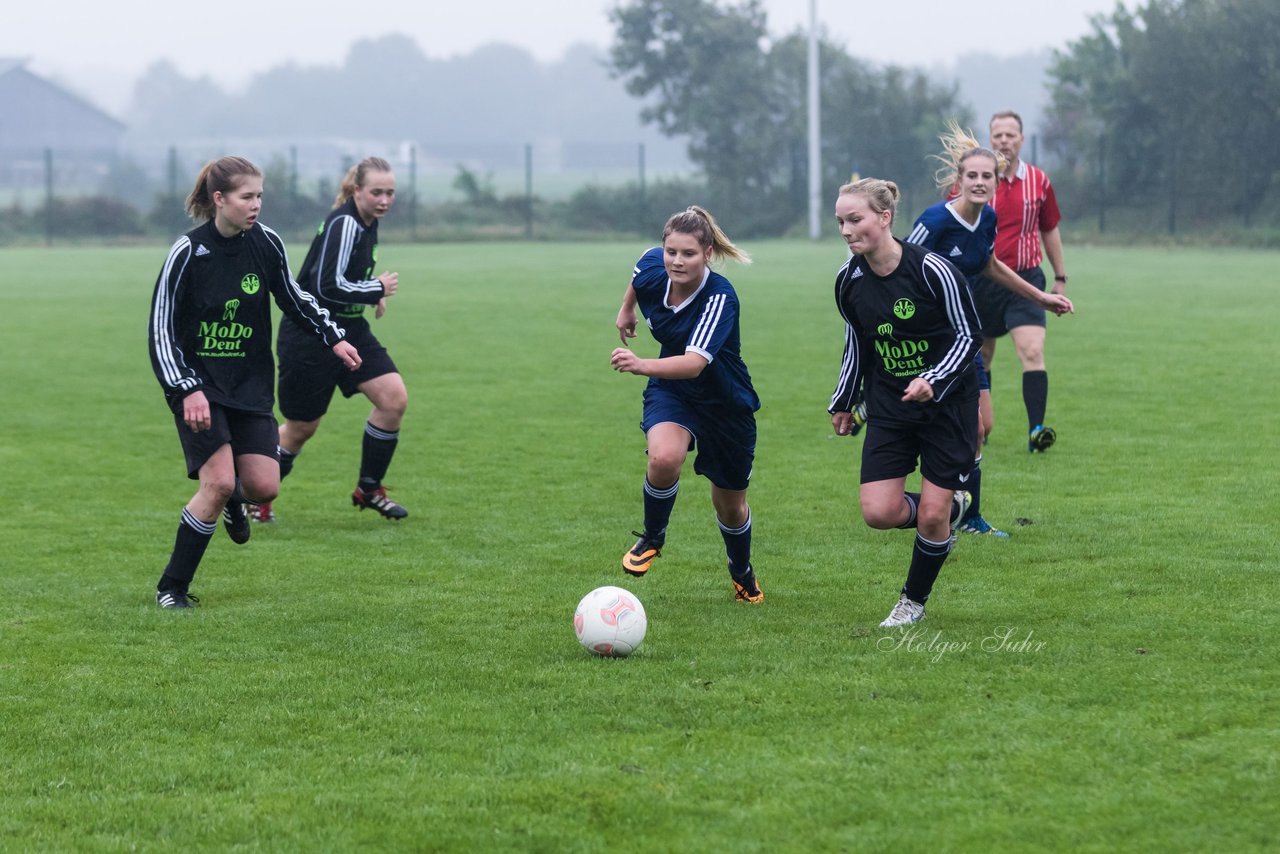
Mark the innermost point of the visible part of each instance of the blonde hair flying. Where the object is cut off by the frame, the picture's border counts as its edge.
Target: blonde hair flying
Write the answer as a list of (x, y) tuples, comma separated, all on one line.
[(958, 145)]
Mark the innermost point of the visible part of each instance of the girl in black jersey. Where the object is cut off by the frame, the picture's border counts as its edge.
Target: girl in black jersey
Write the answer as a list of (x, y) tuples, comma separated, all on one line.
[(911, 331), (338, 272), (210, 341)]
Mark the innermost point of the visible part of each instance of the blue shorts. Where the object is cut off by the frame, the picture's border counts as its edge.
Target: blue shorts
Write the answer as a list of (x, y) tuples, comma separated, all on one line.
[(725, 439)]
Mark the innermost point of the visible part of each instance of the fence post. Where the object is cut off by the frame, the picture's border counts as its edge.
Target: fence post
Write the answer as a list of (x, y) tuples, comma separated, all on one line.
[(173, 174), (1173, 186), (48, 196), (1102, 183), (293, 173), (528, 190), (413, 192), (640, 154)]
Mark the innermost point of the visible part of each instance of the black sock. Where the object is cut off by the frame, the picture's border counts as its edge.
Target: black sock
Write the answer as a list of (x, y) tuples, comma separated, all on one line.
[(658, 504), (286, 462), (378, 449), (188, 548), (1035, 394), (975, 490), (927, 558), (913, 502)]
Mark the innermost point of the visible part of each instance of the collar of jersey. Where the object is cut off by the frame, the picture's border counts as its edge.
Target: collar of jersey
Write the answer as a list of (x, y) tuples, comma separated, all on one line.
[(955, 213), (706, 274), (1020, 173)]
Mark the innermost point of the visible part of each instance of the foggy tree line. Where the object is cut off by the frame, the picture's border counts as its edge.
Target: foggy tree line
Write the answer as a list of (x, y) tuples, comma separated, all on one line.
[(1151, 115), (1167, 114), (1174, 109)]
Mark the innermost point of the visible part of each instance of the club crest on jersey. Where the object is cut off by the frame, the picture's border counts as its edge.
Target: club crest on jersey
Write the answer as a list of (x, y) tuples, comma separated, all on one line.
[(250, 284), (903, 309)]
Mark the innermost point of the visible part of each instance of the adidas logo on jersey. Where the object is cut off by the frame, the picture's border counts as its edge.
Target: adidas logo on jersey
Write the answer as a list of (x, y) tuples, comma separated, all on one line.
[(857, 273), (201, 250), (955, 250)]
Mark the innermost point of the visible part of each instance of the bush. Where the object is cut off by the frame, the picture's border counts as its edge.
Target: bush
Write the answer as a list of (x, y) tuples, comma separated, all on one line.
[(88, 216)]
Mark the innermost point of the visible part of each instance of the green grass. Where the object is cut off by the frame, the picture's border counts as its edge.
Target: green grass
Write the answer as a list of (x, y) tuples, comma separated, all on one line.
[(353, 684)]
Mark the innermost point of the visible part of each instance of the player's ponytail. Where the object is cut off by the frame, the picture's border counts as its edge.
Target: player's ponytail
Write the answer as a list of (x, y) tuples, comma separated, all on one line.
[(699, 223), (881, 195), (218, 176), (355, 177), (958, 146)]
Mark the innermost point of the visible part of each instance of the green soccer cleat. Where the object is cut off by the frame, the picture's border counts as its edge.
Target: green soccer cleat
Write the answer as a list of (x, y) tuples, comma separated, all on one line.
[(1041, 439)]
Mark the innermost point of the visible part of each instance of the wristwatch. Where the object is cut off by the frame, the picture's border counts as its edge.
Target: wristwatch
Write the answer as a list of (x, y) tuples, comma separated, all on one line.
[(1062, 279)]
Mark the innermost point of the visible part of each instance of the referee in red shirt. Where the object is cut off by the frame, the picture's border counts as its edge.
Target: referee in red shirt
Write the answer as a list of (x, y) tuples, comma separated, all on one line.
[(1027, 219)]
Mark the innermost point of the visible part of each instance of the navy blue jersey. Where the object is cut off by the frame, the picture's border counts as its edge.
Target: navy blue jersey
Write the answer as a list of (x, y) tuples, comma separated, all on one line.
[(707, 324), (338, 269), (940, 229), (210, 327), (918, 321)]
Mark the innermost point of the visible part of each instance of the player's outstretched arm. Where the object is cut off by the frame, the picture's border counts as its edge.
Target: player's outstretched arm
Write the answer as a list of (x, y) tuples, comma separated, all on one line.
[(1000, 273), (686, 366)]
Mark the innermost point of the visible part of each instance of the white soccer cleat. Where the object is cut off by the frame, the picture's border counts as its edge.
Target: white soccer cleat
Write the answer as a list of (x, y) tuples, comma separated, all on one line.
[(905, 613)]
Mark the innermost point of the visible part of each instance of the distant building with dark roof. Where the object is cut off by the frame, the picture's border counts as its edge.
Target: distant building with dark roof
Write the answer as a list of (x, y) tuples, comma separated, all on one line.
[(37, 115)]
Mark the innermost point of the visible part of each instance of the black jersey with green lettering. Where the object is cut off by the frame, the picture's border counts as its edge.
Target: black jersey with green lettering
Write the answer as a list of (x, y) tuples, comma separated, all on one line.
[(338, 269), (210, 326), (918, 321)]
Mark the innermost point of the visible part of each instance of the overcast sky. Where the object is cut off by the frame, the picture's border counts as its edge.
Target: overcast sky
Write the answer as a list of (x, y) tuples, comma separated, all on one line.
[(100, 47)]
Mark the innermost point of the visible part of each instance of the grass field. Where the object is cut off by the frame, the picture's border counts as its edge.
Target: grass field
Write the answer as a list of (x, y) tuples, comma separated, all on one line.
[(1104, 680)]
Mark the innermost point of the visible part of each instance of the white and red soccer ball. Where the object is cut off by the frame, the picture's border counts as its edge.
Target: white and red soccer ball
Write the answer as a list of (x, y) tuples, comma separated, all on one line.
[(610, 622)]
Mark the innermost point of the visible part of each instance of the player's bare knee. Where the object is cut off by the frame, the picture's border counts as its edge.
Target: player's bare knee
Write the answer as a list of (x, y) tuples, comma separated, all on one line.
[(664, 467), (218, 490), (881, 516), (260, 491)]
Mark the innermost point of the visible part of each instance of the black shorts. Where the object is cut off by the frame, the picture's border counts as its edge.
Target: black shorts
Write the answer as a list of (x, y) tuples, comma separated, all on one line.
[(1000, 309), (309, 371), (943, 445), (245, 432)]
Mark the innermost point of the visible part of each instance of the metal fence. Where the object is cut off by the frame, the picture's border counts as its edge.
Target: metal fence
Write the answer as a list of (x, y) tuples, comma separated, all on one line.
[(48, 195)]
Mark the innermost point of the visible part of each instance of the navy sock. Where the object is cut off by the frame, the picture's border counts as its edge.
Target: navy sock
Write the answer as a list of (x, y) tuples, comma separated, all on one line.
[(188, 548), (378, 449), (927, 558), (737, 545), (913, 502), (1035, 394), (657, 508)]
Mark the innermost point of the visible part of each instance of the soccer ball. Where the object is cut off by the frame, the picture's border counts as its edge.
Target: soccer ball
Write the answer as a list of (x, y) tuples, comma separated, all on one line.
[(610, 622)]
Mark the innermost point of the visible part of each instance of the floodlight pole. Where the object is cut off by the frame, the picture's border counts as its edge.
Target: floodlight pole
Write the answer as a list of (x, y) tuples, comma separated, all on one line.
[(815, 149)]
